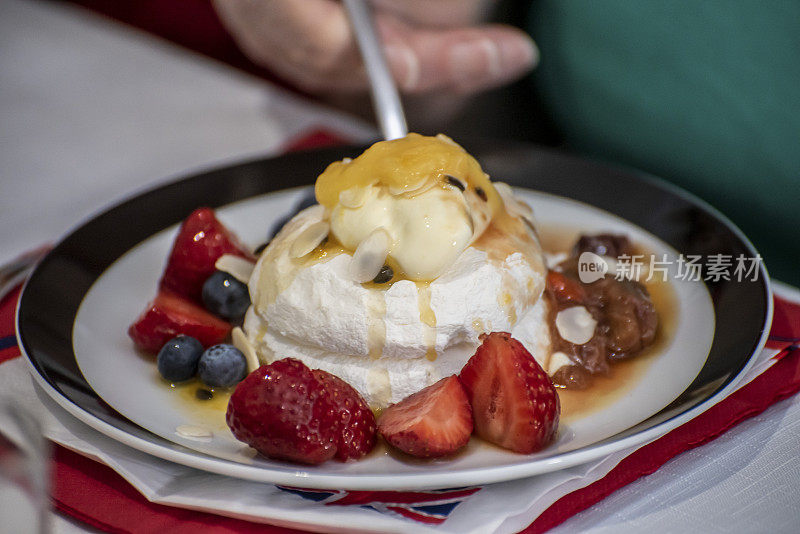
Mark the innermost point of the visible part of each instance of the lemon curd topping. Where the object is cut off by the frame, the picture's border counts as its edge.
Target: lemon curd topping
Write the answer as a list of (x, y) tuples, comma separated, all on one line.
[(405, 166), (417, 201)]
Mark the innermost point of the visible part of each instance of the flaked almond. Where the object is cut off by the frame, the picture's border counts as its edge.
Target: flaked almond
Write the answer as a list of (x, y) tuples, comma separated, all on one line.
[(241, 342), (558, 360), (553, 259), (575, 324), (370, 256), (443, 137), (504, 190), (479, 218), (354, 197), (236, 266), (309, 239), (194, 432), (514, 206)]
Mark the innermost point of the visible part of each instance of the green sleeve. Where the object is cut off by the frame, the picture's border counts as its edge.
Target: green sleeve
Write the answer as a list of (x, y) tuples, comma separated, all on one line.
[(703, 93)]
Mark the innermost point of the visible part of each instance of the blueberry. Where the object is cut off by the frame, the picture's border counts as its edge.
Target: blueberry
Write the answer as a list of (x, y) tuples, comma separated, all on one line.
[(222, 365), (177, 359), (226, 296)]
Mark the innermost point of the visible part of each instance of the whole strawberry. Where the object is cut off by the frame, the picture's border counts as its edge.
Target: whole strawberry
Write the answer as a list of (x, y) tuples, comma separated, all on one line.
[(286, 411), (282, 411), (514, 403), (356, 431)]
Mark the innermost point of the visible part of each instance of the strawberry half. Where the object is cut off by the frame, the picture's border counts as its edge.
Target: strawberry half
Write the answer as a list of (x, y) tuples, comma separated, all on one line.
[(169, 315), (435, 421), (200, 242), (283, 411), (355, 435), (514, 403)]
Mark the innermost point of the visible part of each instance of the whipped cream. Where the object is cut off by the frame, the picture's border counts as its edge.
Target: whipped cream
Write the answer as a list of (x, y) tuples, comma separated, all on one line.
[(427, 231)]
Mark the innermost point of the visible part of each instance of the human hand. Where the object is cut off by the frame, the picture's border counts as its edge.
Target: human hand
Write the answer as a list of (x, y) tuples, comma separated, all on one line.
[(431, 45)]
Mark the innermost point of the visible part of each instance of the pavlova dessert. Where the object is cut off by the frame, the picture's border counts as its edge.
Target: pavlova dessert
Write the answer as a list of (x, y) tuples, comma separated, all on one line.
[(410, 255), (415, 290)]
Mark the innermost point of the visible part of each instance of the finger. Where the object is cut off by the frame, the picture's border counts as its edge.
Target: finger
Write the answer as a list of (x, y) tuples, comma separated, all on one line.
[(464, 60), (310, 44)]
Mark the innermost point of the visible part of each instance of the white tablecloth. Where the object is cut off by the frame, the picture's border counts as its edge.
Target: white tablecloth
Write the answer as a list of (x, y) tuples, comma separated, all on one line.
[(91, 111)]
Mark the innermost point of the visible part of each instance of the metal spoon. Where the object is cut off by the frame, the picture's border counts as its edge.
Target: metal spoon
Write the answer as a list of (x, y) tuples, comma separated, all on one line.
[(385, 97)]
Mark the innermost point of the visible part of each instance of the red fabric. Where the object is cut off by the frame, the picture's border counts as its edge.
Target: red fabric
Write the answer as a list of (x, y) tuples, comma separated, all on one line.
[(8, 307), (193, 24), (314, 139), (785, 328)]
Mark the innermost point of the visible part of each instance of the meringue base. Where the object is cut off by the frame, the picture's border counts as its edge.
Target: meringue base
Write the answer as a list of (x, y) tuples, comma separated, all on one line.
[(384, 381)]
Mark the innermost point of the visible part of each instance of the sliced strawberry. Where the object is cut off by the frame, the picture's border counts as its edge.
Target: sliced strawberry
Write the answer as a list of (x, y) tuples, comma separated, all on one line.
[(169, 315), (435, 421), (355, 435), (514, 403), (201, 240), (282, 410)]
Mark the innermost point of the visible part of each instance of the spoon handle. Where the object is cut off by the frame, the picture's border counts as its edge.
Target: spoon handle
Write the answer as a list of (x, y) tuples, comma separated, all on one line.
[(385, 97)]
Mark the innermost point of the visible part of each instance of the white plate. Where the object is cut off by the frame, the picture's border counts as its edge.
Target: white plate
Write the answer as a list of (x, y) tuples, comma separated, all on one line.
[(129, 382), (76, 307)]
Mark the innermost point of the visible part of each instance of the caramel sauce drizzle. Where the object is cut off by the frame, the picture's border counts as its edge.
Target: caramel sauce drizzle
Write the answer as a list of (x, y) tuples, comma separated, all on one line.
[(428, 319)]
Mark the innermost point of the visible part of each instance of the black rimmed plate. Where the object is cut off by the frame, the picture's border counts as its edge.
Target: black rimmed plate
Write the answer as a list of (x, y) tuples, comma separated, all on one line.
[(66, 323)]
